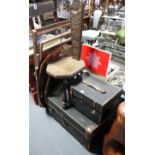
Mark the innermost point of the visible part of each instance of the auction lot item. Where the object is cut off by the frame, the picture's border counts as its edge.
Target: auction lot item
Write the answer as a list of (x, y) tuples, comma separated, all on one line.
[(95, 98), (78, 125)]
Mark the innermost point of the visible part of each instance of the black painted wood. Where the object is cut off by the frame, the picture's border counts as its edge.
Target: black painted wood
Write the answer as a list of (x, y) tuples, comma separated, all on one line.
[(95, 105)]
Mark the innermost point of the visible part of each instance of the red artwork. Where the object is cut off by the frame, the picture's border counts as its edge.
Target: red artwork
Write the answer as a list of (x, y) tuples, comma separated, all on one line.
[(95, 59)]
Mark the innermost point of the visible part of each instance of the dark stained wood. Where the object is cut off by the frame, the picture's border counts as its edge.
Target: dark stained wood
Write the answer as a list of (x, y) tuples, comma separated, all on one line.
[(31, 24), (77, 10)]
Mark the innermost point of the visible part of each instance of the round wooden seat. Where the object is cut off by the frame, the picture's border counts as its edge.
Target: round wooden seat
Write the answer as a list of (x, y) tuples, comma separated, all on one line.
[(65, 68)]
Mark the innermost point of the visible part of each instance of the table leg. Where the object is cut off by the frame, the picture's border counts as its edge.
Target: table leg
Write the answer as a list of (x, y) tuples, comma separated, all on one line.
[(66, 94)]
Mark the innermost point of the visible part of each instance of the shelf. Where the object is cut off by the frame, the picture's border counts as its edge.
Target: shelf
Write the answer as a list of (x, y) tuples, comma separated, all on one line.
[(108, 32), (113, 17)]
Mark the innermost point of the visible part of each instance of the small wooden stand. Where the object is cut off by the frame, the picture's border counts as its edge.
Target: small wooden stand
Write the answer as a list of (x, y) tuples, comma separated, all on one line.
[(66, 69)]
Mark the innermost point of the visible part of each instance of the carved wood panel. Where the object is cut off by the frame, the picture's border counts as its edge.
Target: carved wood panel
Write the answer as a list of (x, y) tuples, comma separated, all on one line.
[(76, 27)]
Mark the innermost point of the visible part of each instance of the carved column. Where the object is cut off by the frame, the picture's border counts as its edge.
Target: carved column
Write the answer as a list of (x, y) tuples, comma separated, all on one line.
[(76, 27)]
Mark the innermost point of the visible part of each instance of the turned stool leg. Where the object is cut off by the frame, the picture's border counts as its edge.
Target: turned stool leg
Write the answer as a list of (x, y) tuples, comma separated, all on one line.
[(47, 87), (66, 94)]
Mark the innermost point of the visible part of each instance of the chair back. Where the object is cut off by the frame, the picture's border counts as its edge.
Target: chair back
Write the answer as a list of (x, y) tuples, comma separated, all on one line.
[(96, 18), (38, 48)]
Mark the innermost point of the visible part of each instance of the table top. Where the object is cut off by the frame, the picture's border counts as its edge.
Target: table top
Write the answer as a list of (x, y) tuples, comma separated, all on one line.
[(65, 68)]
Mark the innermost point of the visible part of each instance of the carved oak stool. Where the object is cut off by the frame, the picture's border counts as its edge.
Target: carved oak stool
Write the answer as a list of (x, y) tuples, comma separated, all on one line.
[(66, 68)]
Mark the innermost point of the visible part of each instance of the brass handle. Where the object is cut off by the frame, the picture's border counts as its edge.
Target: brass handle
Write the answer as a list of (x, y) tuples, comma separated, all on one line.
[(94, 87)]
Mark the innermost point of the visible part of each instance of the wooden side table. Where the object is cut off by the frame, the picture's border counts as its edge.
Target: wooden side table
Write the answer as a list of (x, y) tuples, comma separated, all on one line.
[(65, 68)]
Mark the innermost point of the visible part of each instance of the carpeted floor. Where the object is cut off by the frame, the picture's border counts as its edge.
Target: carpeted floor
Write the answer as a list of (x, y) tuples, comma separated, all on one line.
[(47, 137)]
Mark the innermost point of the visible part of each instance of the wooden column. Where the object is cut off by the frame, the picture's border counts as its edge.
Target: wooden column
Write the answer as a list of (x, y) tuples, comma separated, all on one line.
[(77, 9)]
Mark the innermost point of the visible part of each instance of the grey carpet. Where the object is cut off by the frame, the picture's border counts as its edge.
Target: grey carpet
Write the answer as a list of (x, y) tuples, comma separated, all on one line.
[(47, 137)]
